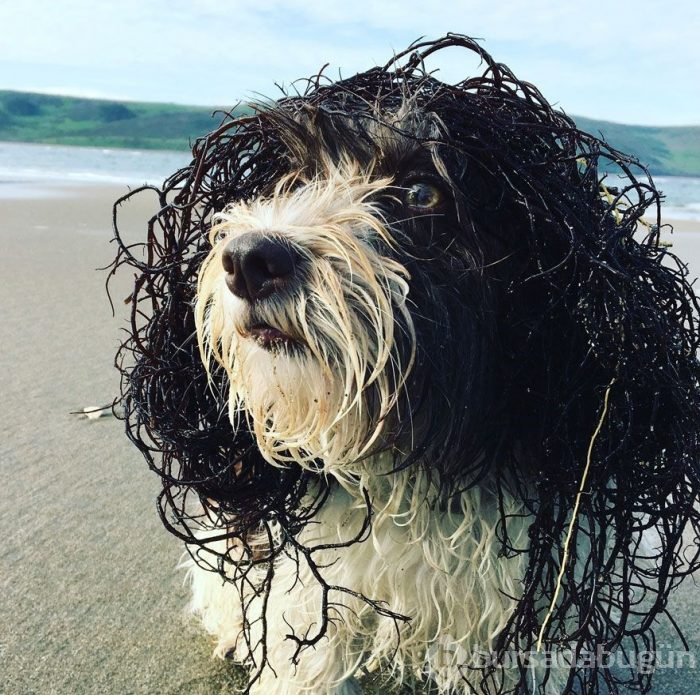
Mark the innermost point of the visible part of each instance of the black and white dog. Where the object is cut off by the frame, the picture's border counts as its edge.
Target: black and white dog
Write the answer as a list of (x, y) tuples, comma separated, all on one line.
[(441, 389)]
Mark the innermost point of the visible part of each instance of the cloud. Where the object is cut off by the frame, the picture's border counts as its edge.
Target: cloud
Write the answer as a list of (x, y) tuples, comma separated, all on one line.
[(625, 60)]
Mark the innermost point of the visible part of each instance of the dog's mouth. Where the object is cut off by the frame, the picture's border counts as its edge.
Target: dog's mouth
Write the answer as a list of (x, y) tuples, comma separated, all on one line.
[(270, 338)]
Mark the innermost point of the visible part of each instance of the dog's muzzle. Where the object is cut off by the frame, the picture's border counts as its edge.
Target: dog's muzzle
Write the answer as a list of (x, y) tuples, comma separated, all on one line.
[(258, 265)]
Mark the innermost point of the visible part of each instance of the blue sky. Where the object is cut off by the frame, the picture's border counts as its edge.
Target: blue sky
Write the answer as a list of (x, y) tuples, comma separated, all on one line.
[(633, 62)]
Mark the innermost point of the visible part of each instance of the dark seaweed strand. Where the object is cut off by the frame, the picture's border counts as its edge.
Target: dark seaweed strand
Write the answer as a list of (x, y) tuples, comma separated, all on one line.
[(594, 300)]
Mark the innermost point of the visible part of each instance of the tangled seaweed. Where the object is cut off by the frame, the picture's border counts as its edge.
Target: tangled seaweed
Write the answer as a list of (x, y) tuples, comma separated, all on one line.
[(590, 307)]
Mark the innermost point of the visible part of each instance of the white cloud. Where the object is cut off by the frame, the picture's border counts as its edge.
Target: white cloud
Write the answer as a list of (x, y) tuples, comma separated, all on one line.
[(593, 58)]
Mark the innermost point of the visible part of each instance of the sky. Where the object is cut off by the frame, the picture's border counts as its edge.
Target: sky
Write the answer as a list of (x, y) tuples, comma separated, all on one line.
[(631, 61)]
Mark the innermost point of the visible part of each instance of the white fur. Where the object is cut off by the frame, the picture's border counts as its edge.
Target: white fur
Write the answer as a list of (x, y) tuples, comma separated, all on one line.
[(438, 564), (440, 568), (315, 406)]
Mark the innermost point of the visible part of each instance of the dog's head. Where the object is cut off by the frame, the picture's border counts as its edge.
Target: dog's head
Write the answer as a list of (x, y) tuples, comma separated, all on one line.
[(362, 283), (448, 275), (303, 301)]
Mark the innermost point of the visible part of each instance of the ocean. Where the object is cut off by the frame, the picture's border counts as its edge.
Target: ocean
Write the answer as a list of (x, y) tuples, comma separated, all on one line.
[(26, 165), (681, 196), (22, 163)]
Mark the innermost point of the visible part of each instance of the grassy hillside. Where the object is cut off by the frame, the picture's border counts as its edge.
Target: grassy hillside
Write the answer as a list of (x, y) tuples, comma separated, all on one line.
[(28, 117), (665, 150)]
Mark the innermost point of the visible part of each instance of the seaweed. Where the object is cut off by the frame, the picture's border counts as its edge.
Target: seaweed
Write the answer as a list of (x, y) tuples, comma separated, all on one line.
[(592, 361)]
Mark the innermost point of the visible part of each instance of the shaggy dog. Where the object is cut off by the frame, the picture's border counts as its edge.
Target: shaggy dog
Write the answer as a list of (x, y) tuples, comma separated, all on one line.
[(421, 387)]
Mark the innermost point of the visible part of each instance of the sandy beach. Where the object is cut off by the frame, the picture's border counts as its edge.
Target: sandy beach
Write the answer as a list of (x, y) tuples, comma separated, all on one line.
[(91, 601)]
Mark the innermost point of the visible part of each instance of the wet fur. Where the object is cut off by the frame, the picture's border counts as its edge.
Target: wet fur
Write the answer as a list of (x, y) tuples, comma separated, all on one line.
[(403, 472)]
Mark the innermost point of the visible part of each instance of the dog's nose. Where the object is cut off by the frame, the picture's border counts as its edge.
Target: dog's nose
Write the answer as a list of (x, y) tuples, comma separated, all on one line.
[(258, 265)]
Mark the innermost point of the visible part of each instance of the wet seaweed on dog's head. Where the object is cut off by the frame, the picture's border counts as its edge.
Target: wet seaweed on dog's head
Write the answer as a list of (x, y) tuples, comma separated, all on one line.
[(522, 290)]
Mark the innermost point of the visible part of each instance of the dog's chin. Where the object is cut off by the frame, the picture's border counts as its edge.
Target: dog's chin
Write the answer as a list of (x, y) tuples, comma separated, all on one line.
[(278, 388), (272, 367)]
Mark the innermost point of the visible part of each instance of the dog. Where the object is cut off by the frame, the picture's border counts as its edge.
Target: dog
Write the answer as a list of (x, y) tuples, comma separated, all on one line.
[(421, 386)]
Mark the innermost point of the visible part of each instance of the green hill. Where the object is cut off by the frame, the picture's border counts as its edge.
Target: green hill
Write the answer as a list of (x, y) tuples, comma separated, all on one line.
[(664, 149), (59, 120), (28, 117)]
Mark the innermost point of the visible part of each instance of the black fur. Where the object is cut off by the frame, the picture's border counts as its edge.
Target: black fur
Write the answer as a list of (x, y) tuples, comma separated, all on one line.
[(533, 289)]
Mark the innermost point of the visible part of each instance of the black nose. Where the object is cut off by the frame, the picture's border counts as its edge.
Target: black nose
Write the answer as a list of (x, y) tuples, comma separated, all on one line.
[(258, 265)]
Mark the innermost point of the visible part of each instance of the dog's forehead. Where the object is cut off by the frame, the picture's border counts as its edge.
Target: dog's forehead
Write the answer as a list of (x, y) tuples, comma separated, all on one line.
[(384, 138)]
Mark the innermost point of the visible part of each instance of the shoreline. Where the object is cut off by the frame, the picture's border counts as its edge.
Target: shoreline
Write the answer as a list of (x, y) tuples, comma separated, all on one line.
[(32, 189)]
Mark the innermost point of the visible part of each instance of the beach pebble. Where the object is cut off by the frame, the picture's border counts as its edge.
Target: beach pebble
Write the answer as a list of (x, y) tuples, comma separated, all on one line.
[(95, 412)]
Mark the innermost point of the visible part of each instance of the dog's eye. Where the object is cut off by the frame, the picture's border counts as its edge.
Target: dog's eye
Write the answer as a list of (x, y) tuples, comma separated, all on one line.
[(422, 196), (218, 235)]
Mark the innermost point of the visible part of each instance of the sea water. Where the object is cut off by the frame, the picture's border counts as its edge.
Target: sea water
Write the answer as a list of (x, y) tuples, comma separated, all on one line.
[(24, 166), (681, 196)]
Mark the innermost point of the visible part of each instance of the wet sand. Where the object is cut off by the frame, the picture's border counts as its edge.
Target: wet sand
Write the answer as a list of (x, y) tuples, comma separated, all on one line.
[(90, 601)]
